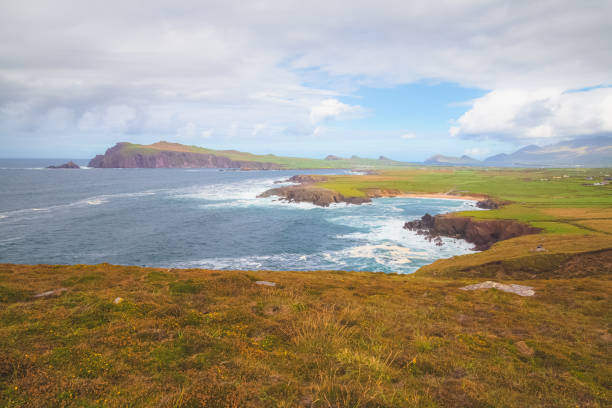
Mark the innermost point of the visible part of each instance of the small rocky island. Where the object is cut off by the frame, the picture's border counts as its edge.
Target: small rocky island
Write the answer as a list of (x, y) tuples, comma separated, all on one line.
[(69, 165)]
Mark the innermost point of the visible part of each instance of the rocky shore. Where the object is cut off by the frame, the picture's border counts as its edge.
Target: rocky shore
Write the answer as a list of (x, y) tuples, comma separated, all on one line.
[(481, 233), (311, 194)]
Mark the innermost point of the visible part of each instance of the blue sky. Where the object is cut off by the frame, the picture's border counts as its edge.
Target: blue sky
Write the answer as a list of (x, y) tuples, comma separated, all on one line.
[(401, 79)]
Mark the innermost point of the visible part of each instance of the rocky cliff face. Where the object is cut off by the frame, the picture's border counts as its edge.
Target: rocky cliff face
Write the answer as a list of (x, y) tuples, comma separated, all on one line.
[(118, 157), (482, 233)]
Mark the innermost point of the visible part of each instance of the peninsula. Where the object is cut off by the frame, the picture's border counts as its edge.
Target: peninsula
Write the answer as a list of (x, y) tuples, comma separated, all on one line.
[(176, 155)]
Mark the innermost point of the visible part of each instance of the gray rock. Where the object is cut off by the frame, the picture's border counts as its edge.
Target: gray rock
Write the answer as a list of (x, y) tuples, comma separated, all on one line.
[(265, 283), (50, 293), (512, 288)]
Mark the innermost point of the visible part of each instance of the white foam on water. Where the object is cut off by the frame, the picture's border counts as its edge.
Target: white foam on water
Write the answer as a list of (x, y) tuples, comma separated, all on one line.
[(91, 201), (283, 261), (6, 241), (243, 194)]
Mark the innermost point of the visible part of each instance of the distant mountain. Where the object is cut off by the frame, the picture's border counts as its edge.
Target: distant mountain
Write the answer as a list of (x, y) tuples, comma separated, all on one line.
[(587, 152), (175, 155), (441, 160)]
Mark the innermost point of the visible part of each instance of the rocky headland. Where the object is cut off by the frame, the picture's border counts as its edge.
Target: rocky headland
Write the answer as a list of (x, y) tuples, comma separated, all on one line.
[(481, 233), (122, 155), (311, 194)]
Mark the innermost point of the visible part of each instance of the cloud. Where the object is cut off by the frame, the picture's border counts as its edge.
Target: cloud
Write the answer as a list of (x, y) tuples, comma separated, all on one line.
[(329, 109), (409, 136), (539, 115), (141, 68), (477, 151)]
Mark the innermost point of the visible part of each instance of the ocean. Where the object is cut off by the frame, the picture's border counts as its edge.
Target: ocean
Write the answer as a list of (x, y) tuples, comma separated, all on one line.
[(203, 218)]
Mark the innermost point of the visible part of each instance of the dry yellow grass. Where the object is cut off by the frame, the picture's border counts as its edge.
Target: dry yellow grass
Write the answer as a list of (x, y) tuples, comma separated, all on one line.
[(191, 338)]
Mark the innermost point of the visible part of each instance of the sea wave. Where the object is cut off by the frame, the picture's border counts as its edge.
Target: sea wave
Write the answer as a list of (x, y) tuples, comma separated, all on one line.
[(90, 201)]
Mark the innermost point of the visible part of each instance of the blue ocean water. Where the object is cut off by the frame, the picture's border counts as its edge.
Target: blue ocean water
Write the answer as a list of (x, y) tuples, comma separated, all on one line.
[(205, 218)]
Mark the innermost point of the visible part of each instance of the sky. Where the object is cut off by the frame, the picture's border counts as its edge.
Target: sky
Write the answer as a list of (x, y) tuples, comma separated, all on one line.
[(403, 79)]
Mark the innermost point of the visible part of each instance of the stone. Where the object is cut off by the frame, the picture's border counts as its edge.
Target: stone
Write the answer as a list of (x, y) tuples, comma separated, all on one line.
[(524, 349), (265, 283), (118, 300), (512, 288), (50, 293)]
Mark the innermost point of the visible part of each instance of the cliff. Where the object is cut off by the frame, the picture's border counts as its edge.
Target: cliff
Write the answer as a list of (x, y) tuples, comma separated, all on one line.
[(125, 155), (481, 233)]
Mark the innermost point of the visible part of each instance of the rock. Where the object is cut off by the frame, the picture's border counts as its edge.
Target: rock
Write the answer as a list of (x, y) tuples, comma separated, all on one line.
[(306, 179), (384, 158), (118, 300), (332, 157), (540, 248), (512, 288), (69, 165), (265, 283), (524, 349), (50, 293), (489, 204), (482, 233), (315, 195)]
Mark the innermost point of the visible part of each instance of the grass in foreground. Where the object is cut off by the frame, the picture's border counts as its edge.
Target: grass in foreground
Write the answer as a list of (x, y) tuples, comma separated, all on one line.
[(190, 338)]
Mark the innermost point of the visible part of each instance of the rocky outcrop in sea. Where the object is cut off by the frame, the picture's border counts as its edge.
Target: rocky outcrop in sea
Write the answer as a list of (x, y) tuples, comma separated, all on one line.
[(481, 233)]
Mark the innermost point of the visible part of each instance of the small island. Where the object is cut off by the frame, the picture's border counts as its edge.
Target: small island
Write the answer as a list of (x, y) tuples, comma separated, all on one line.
[(69, 165)]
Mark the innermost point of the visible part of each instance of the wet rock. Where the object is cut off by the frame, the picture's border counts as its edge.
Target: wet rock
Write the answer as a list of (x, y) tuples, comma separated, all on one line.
[(481, 233), (315, 195)]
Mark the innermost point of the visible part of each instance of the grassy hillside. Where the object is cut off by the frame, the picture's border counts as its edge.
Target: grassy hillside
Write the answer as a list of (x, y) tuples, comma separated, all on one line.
[(190, 338), (288, 162)]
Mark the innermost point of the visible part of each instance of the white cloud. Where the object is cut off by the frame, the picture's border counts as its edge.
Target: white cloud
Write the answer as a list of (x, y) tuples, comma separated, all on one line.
[(258, 128), (545, 114), (479, 152), (188, 131), (409, 136), (138, 67), (329, 109)]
